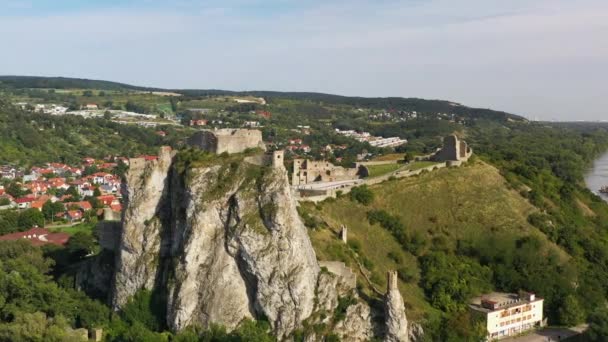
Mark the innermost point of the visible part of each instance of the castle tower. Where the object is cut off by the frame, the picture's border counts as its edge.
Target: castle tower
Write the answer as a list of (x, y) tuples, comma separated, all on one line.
[(391, 281), (295, 177), (277, 159), (343, 234)]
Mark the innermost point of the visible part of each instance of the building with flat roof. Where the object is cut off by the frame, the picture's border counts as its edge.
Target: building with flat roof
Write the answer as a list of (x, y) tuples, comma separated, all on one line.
[(508, 314)]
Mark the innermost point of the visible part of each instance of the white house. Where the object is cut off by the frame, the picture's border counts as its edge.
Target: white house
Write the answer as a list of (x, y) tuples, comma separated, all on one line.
[(508, 314)]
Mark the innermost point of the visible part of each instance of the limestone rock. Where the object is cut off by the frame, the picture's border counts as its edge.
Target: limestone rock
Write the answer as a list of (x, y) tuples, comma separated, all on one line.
[(357, 325), (416, 332), (223, 242), (396, 321), (139, 247)]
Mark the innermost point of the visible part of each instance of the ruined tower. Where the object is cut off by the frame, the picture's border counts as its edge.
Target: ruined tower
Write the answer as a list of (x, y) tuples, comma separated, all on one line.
[(391, 281), (344, 233), (277, 159)]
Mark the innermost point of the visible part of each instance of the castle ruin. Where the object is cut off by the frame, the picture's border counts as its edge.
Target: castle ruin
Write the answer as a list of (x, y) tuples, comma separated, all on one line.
[(227, 140), (307, 171), (453, 150)]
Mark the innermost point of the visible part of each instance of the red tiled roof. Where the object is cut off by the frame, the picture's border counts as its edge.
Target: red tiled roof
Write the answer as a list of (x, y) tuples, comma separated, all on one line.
[(38, 237)]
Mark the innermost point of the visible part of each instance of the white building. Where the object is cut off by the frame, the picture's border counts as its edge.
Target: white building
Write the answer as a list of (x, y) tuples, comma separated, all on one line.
[(508, 314)]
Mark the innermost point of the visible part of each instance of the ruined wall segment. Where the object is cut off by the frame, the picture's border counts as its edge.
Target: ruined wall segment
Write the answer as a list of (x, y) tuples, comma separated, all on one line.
[(227, 140), (453, 150), (308, 171)]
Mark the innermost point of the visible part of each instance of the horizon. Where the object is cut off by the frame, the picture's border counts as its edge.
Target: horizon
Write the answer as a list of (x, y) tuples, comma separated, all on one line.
[(544, 60)]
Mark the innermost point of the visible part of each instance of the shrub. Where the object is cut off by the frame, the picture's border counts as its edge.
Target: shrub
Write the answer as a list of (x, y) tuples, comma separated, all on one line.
[(362, 194)]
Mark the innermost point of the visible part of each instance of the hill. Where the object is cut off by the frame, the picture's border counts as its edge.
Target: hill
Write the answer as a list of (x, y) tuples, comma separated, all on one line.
[(466, 214), (388, 103), (29, 138), (63, 83)]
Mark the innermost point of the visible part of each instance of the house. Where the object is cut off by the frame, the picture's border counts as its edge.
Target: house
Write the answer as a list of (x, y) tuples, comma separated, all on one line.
[(73, 215), (108, 200), (508, 314), (8, 172), (264, 113), (38, 203), (36, 187), (82, 205), (199, 122), (109, 188), (88, 161), (91, 106), (116, 207), (148, 158), (251, 124), (161, 133), (295, 141), (86, 191), (57, 183), (101, 177), (24, 202), (108, 166), (38, 237)]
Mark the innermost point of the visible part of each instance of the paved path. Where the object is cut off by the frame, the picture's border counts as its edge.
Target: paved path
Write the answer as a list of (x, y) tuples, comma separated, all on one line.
[(549, 334)]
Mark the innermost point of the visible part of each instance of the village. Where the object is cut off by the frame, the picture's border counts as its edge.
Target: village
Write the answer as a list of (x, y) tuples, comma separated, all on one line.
[(64, 195)]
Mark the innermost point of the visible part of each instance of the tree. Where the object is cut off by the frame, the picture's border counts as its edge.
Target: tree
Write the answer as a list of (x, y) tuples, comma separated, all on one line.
[(570, 313), (80, 245), (30, 218), (15, 190), (87, 93), (50, 209), (8, 221), (362, 194), (598, 326)]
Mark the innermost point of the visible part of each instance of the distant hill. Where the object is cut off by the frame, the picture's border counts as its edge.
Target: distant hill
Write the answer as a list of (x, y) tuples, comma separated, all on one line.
[(390, 103)]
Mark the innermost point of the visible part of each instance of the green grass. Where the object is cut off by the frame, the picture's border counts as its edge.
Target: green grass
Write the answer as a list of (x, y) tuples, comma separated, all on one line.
[(83, 227), (413, 166), (443, 206), (380, 170)]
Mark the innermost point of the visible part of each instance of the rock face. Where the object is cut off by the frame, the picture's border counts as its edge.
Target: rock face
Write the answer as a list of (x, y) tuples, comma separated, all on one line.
[(218, 240), (221, 241), (140, 242), (396, 321)]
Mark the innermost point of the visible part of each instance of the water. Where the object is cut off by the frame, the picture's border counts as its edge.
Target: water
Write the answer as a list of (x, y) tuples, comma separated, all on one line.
[(597, 177)]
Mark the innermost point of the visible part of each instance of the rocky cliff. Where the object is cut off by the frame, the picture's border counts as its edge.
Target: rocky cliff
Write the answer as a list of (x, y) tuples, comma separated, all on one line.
[(220, 241), (396, 322)]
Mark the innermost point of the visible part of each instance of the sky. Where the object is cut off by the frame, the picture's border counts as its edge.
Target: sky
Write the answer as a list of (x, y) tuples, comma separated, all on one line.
[(543, 59)]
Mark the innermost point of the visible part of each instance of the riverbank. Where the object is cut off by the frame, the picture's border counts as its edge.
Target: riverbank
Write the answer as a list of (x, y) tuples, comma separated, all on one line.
[(597, 176)]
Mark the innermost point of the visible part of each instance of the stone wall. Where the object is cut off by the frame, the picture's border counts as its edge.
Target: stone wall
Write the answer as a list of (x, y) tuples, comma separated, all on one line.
[(312, 195), (453, 150), (308, 171), (227, 140), (340, 269)]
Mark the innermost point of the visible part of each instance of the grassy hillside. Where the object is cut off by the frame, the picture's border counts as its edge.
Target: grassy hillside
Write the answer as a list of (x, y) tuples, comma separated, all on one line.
[(30, 138), (442, 209)]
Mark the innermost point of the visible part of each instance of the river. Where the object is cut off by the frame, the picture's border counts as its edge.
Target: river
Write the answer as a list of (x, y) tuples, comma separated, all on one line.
[(597, 177)]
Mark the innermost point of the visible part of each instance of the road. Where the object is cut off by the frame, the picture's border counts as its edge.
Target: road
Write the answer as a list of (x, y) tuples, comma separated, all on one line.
[(549, 334)]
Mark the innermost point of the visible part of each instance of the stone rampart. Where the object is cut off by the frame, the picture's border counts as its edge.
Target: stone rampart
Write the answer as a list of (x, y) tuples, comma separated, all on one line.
[(227, 140)]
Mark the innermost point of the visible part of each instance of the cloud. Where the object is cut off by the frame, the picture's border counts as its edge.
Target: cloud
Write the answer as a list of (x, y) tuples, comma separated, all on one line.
[(541, 57)]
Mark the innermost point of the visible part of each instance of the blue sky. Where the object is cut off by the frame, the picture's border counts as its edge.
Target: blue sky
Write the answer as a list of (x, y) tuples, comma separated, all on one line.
[(545, 59)]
